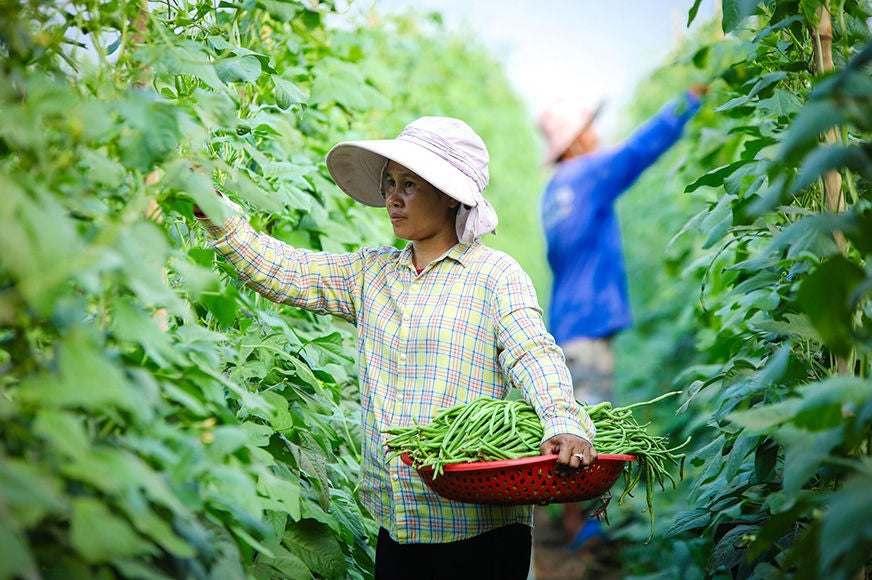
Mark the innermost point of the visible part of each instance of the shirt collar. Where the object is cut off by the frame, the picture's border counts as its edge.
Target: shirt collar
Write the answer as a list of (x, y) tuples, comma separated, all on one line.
[(460, 252)]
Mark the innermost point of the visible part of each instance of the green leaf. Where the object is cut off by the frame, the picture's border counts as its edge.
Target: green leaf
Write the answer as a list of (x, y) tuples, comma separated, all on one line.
[(281, 10), (776, 527), (691, 14), (716, 177), (764, 418), (99, 536), (41, 247), (313, 543), (811, 121), (284, 495), (763, 83), (64, 431), (87, 380), (765, 460), (825, 158), (340, 82), (258, 435), (846, 534), (238, 69), (153, 525), (827, 296), (280, 417), (859, 231), (313, 463), (287, 93), (690, 520), (181, 175), (731, 548), (735, 12), (222, 306), (17, 561), (805, 454), (186, 58), (153, 132), (718, 222), (282, 564), (262, 195), (133, 326), (102, 169), (823, 403), (228, 439), (782, 103), (235, 489), (29, 493)]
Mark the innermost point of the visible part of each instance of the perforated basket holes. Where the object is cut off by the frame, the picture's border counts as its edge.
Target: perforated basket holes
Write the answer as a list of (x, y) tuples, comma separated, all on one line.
[(525, 485)]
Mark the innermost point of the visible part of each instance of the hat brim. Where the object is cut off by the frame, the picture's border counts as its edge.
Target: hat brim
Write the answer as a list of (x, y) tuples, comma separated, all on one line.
[(584, 122), (356, 167)]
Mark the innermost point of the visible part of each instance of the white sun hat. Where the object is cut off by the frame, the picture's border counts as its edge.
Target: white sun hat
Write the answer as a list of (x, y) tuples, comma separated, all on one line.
[(444, 151)]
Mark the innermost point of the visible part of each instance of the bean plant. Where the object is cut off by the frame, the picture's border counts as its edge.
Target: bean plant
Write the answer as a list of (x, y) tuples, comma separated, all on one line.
[(763, 320)]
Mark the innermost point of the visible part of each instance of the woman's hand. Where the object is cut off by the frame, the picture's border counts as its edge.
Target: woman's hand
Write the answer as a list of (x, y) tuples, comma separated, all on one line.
[(573, 452)]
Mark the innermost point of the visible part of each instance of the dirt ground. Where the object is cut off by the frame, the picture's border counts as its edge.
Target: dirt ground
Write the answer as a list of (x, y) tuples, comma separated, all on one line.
[(551, 561)]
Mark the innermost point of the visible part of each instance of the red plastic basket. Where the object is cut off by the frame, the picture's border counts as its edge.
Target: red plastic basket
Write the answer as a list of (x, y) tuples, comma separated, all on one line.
[(529, 480)]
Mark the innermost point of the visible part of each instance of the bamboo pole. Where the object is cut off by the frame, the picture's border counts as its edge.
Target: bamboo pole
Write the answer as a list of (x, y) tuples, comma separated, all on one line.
[(823, 61), (833, 195)]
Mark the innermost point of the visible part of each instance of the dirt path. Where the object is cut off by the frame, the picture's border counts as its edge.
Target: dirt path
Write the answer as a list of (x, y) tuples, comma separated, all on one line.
[(596, 560)]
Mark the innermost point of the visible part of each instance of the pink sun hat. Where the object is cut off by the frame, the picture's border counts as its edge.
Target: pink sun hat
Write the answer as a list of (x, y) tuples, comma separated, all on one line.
[(561, 122)]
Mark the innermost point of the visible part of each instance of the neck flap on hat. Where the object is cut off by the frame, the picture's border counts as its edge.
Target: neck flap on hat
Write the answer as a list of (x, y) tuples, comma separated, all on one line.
[(474, 222)]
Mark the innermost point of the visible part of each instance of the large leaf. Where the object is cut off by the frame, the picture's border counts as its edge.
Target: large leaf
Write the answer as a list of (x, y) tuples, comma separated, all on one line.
[(235, 69), (343, 83), (99, 536), (828, 297), (29, 493), (688, 521), (17, 561), (811, 121), (287, 93), (313, 543), (735, 12), (805, 454), (846, 539), (88, 380)]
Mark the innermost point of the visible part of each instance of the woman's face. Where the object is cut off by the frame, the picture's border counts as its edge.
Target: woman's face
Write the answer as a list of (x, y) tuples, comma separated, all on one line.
[(418, 211)]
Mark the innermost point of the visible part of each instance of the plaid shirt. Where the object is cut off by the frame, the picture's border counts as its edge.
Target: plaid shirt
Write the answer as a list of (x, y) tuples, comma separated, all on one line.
[(468, 326)]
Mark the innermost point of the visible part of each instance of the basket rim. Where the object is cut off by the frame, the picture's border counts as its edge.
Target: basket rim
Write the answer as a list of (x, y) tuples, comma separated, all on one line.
[(520, 462)]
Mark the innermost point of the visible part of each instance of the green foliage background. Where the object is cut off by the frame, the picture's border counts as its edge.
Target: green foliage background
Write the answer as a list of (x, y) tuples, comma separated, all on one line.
[(158, 420)]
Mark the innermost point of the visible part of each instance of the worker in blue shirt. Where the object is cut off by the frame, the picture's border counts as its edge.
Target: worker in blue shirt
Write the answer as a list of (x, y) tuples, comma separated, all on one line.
[(589, 296)]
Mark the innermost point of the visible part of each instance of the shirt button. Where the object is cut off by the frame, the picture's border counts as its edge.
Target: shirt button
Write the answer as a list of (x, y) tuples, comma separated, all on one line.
[(415, 287), (403, 358), (395, 477)]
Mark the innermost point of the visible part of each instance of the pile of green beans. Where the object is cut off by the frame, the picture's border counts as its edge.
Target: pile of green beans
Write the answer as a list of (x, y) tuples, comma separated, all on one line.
[(482, 430), (490, 429)]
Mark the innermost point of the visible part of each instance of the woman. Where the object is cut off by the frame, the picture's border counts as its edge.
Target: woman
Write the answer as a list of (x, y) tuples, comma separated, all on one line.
[(444, 321)]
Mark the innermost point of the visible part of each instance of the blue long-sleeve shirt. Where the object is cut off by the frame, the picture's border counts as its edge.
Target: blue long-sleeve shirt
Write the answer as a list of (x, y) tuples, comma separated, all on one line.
[(589, 296)]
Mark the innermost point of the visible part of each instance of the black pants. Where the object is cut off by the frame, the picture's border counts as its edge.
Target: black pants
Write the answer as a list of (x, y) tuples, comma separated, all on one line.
[(501, 554)]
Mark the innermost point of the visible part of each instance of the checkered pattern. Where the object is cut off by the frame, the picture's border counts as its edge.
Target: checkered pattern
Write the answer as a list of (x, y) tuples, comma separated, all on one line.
[(468, 326)]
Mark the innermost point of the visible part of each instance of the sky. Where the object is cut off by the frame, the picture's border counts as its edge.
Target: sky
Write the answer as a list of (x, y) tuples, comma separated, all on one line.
[(585, 49)]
